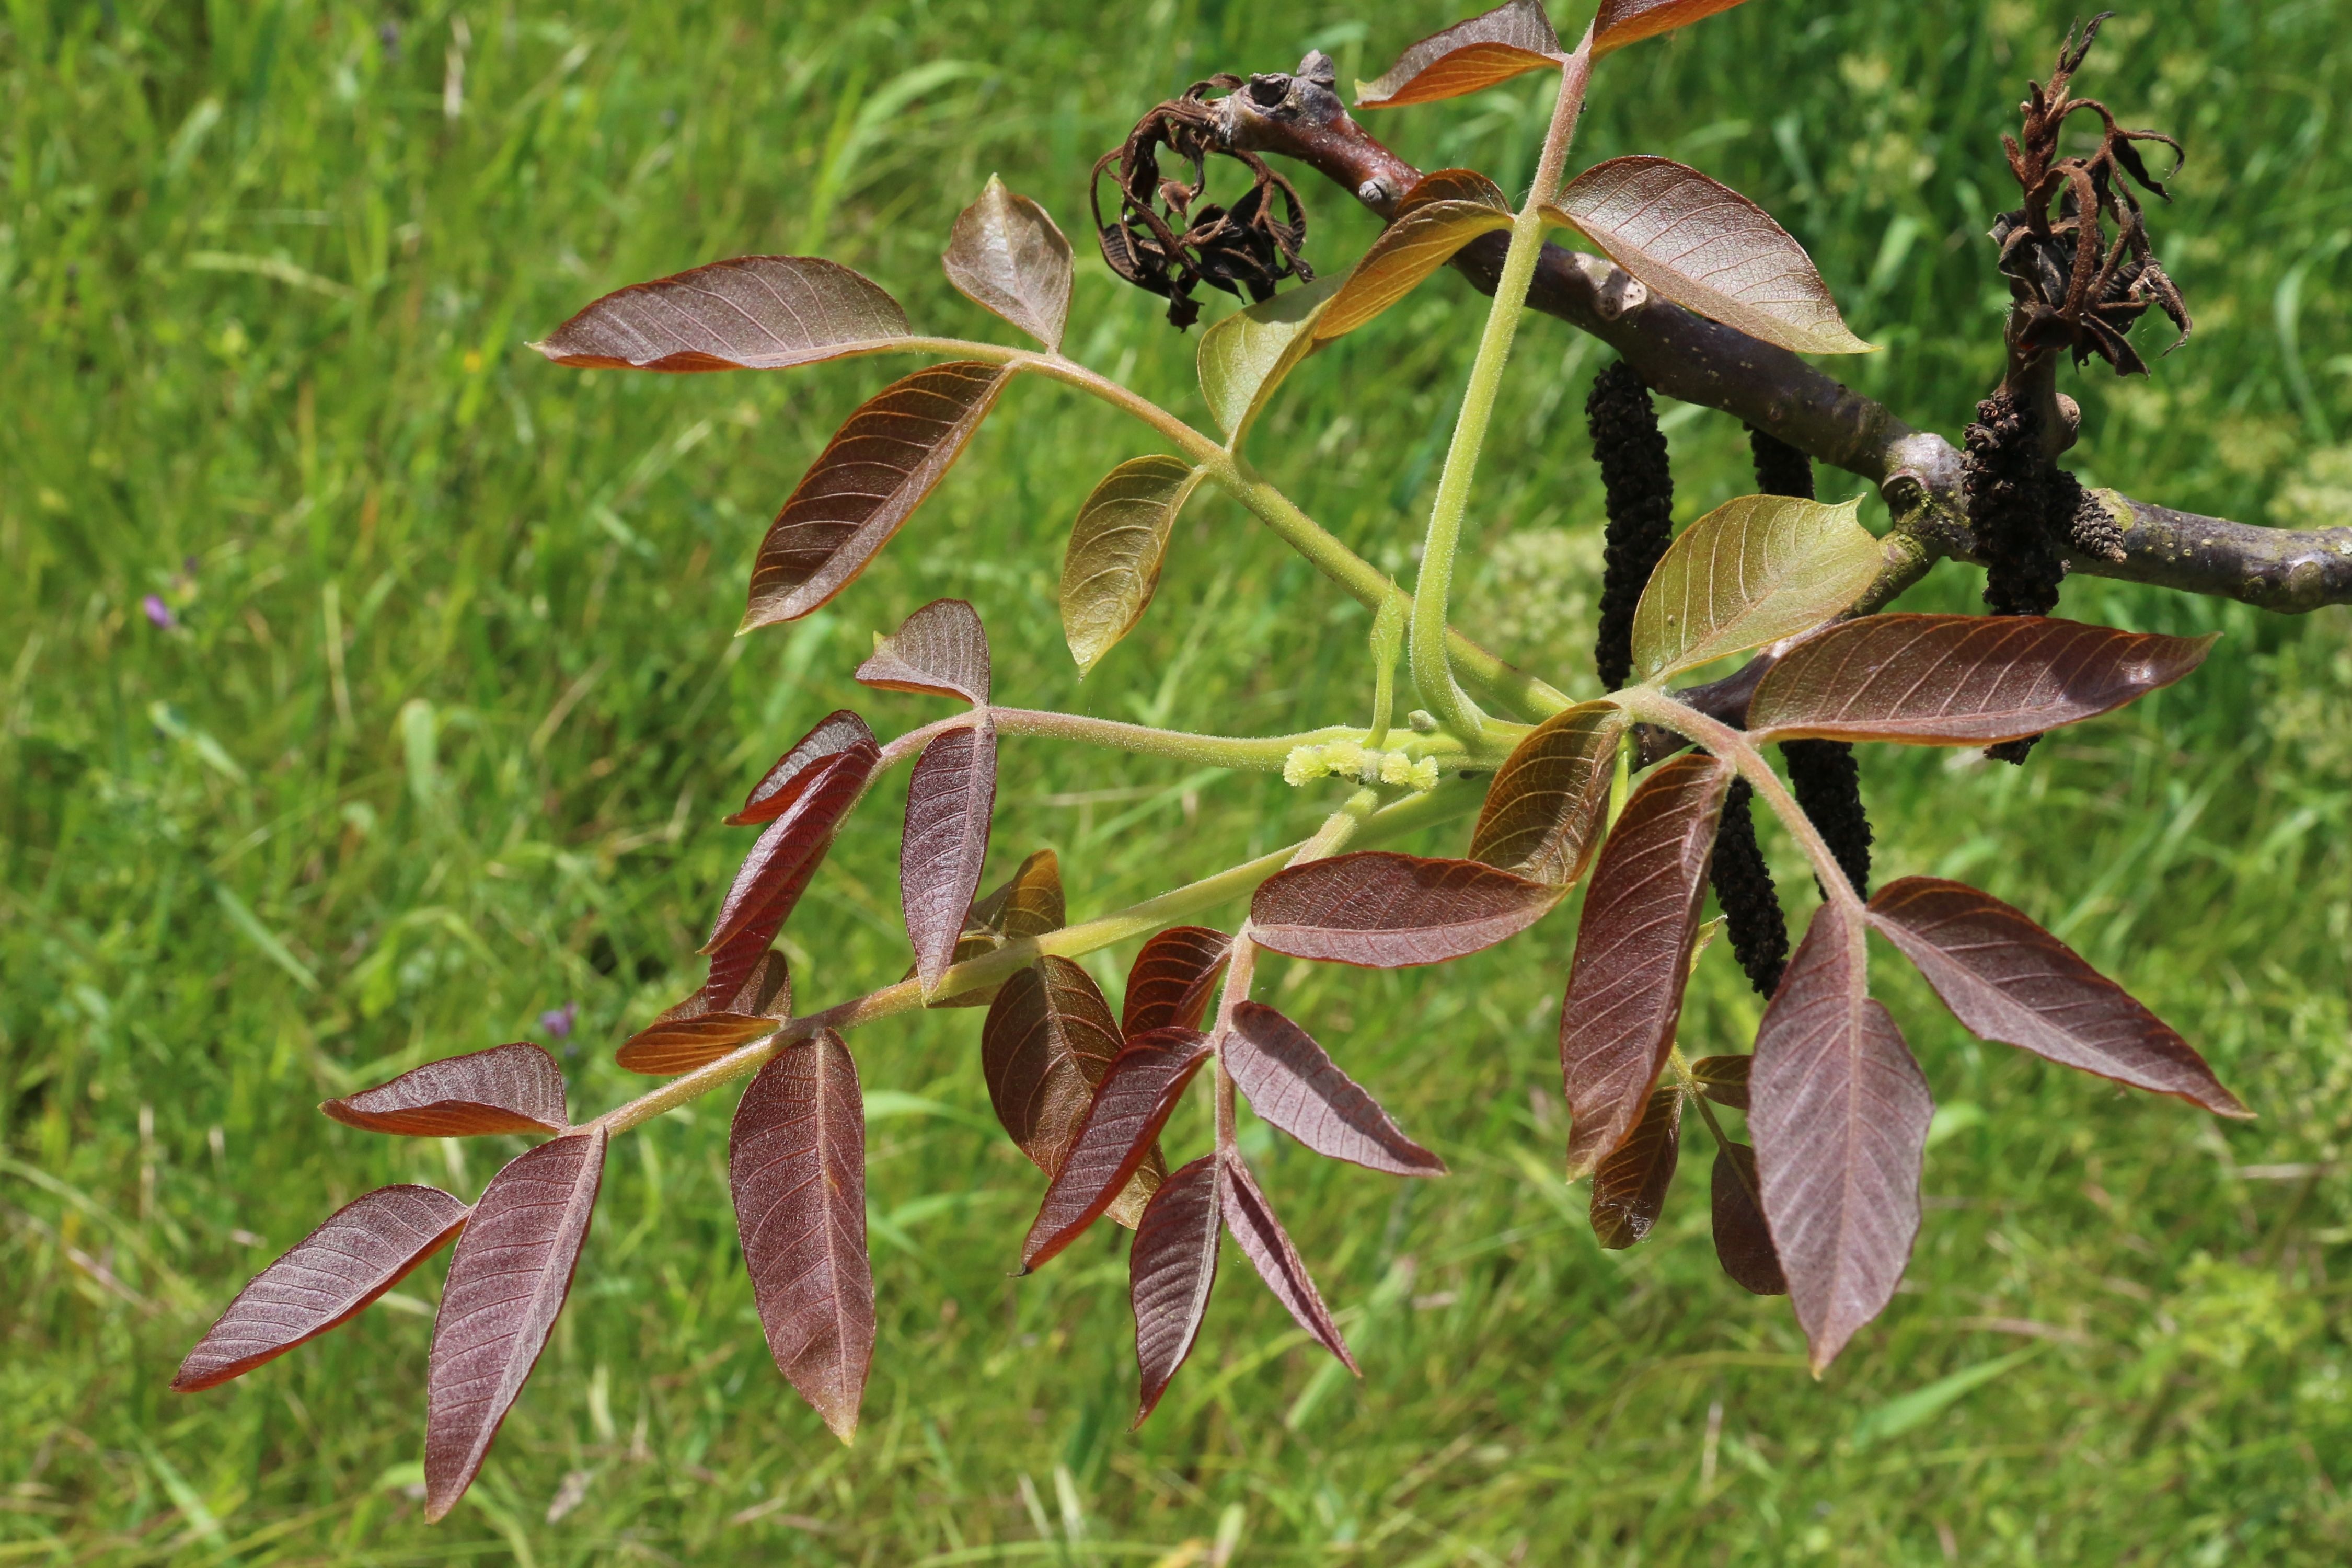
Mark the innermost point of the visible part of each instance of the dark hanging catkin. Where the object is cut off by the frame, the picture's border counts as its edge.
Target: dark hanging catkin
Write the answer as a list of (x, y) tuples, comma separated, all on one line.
[(1781, 468), (2024, 514), (1639, 485), (1743, 886), (1827, 783)]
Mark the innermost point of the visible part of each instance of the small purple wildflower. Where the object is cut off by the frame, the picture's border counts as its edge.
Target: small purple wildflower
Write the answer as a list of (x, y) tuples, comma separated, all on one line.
[(157, 612), (557, 1021)]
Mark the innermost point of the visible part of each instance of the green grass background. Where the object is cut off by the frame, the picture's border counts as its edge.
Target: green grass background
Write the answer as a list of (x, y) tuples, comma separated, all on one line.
[(442, 736)]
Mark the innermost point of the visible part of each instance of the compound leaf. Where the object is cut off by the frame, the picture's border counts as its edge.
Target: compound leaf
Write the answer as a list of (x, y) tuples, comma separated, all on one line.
[(949, 802), (1130, 1105), (1048, 1040), (1292, 1083), (1743, 1242), (940, 650), (1709, 248), (2009, 980), (1118, 546), (507, 1282), (1624, 22), (1549, 806), (1751, 571), (1468, 57), (1170, 1269), (1383, 911), (1634, 953), (328, 1278), (1268, 1247), (755, 313), (1960, 679), (1244, 357), (1168, 986), (1840, 1114), (865, 485), (1005, 255), (797, 1163), (1629, 1188), (514, 1087)]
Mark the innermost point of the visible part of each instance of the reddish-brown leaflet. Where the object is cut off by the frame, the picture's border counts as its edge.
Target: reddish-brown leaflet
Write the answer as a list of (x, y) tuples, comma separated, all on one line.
[(515, 1088)]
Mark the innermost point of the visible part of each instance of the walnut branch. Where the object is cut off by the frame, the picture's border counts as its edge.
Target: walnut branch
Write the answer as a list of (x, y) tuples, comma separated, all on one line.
[(1690, 358)]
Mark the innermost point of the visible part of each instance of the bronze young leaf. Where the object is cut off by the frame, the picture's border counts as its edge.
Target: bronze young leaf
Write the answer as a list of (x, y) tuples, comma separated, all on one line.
[(1723, 1080), (2009, 980), (797, 1163), (1006, 256), (837, 733), (756, 312), (1294, 1084), (1245, 357), (699, 1030), (1048, 1040), (1170, 1268), (1548, 805), (1029, 903), (1624, 22), (1169, 985), (1466, 57), (1940, 681), (1381, 910), (787, 852), (507, 1282), (949, 802), (1450, 186), (1743, 1242), (514, 1087), (1751, 571), (1840, 1114), (1268, 1247), (1633, 952), (1118, 546), (324, 1280), (866, 484), (940, 650), (1130, 1105), (1408, 251), (1708, 249), (1629, 1189)]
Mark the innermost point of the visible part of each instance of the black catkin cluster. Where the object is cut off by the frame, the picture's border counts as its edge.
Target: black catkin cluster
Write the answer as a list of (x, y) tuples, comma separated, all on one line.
[(1743, 886), (2010, 505), (1781, 468), (1639, 485)]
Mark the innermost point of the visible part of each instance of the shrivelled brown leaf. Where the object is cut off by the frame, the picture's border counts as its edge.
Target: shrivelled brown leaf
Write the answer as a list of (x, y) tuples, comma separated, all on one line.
[(1751, 571), (1723, 1080), (1048, 1040), (514, 1087), (1118, 546), (1743, 1243), (1245, 357), (1382, 910), (328, 1277), (1169, 1270), (1130, 1106), (835, 733), (1624, 22), (1407, 251), (1708, 249), (1840, 1114), (787, 851), (864, 486), (755, 313), (1960, 679), (1027, 904), (507, 1282), (1005, 255), (1451, 185), (1168, 986), (949, 802), (941, 650), (1549, 806), (1468, 57), (2009, 980), (1632, 953), (698, 1031), (796, 1162), (1268, 1247), (1629, 1189), (1292, 1083)]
